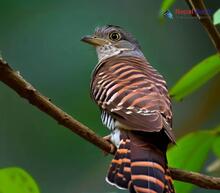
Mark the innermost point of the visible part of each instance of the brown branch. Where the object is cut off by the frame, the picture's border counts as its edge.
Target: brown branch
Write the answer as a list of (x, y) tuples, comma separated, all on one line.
[(198, 179), (211, 97), (206, 21), (14, 80)]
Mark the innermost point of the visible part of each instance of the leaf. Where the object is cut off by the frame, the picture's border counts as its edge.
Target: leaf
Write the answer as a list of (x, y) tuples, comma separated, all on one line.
[(196, 77), (190, 153), (216, 143), (16, 180), (216, 17), (216, 147), (215, 165), (166, 5)]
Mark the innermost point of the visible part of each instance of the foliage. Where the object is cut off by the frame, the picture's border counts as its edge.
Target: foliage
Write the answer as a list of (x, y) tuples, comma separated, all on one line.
[(190, 154), (192, 150), (216, 143), (166, 5), (196, 77), (216, 17), (216, 147), (16, 180)]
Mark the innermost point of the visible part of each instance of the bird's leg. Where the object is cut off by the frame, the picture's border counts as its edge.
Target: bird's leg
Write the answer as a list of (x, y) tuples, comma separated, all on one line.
[(108, 138)]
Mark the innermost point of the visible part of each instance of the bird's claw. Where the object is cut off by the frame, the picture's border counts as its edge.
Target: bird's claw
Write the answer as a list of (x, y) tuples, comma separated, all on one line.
[(107, 138), (112, 146)]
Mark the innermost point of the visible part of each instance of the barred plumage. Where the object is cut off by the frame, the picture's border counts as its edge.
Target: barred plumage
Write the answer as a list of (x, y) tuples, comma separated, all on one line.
[(136, 108), (133, 93), (139, 169), (108, 121)]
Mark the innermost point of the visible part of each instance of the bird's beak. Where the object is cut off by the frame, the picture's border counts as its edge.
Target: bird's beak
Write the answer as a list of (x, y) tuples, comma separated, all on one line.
[(95, 41)]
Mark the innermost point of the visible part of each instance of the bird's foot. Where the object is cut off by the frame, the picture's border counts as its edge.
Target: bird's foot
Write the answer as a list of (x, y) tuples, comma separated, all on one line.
[(107, 138), (112, 146)]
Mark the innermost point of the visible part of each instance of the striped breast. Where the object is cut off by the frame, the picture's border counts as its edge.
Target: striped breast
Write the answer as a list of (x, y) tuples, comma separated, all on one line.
[(111, 124), (108, 121), (133, 93)]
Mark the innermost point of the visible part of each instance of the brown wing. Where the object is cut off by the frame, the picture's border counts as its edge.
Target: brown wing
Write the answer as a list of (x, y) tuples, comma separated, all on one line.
[(133, 92)]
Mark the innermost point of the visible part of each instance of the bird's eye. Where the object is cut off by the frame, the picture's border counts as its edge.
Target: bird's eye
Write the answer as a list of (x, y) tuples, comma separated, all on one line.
[(115, 36)]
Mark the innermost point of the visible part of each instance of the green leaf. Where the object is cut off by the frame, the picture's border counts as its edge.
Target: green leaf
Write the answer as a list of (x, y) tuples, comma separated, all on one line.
[(190, 153), (216, 17), (166, 5), (216, 143), (196, 77), (216, 147), (16, 180)]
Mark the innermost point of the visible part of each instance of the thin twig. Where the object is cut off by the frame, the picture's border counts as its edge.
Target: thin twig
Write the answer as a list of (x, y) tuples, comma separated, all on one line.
[(15, 81), (202, 14), (211, 97)]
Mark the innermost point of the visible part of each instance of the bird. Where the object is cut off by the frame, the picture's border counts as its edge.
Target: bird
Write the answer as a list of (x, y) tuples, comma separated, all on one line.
[(135, 106)]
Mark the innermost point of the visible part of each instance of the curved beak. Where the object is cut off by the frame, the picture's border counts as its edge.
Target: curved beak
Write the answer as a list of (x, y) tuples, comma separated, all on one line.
[(95, 41)]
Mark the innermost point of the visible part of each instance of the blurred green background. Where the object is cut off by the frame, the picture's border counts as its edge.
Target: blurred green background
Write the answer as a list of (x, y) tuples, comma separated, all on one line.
[(41, 39)]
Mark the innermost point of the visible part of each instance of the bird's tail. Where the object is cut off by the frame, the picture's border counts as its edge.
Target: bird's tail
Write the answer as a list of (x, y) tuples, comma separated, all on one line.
[(140, 167)]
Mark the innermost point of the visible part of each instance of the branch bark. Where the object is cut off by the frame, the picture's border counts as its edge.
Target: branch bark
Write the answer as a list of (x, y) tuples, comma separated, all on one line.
[(15, 81), (211, 97), (198, 179), (206, 21)]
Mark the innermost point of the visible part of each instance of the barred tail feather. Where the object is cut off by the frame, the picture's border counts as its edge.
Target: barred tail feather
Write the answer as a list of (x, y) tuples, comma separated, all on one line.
[(169, 183), (139, 167), (147, 170), (119, 171)]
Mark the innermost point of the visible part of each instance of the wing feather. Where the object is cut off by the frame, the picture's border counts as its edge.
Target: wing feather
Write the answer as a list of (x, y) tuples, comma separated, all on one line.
[(133, 92)]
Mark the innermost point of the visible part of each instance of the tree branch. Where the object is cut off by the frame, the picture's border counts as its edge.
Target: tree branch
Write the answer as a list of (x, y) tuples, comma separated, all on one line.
[(198, 179), (14, 80), (206, 21)]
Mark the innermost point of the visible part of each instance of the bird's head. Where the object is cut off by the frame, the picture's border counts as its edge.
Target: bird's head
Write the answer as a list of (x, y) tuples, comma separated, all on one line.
[(113, 40)]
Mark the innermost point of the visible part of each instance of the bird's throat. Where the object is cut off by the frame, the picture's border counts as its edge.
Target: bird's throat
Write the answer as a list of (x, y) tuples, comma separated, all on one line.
[(107, 51)]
